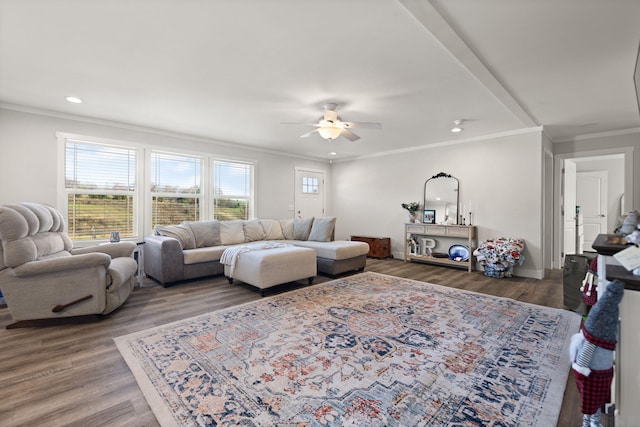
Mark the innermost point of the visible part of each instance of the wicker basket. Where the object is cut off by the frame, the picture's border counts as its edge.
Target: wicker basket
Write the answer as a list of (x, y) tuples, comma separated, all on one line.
[(498, 270)]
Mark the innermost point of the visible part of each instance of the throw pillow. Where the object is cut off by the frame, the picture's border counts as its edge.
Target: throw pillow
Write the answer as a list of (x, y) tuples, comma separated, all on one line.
[(231, 232), (287, 228), (206, 233), (322, 229), (181, 233), (253, 230), (302, 228), (272, 229)]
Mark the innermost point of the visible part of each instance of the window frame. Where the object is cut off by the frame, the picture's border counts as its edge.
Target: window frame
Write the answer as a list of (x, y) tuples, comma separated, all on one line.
[(251, 198), (199, 195), (143, 197), (134, 194)]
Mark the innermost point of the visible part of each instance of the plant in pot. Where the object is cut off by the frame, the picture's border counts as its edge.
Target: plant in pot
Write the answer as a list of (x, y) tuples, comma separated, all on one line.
[(412, 208)]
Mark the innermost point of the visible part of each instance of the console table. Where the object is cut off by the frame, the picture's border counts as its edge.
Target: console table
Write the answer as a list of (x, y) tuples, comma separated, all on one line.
[(626, 387), (444, 236)]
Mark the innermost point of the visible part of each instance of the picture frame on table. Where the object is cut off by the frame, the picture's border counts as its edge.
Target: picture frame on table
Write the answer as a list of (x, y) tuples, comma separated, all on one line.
[(429, 216)]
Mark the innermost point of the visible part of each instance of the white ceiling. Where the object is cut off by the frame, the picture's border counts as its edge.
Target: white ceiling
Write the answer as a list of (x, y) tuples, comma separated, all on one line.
[(233, 70)]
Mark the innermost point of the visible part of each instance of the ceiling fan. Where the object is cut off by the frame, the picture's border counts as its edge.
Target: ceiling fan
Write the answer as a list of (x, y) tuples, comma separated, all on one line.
[(331, 126)]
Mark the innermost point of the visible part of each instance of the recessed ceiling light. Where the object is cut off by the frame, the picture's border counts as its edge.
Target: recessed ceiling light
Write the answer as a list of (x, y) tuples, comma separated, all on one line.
[(333, 153), (457, 126), (74, 99)]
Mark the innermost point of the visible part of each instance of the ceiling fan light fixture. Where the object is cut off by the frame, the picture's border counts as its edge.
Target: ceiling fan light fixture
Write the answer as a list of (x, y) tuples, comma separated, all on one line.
[(329, 132), (331, 126), (457, 126)]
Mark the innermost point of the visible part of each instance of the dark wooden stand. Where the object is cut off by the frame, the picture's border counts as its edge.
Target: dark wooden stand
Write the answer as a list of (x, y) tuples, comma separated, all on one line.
[(379, 247), (608, 245)]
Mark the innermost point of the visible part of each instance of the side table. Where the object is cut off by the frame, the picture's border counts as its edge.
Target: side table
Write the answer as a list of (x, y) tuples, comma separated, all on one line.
[(138, 255)]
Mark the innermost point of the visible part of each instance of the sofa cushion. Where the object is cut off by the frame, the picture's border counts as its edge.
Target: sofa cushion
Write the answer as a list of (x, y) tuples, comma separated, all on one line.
[(302, 228), (272, 229), (287, 228), (206, 233), (253, 230), (231, 232), (182, 233), (336, 250), (208, 254), (322, 229)]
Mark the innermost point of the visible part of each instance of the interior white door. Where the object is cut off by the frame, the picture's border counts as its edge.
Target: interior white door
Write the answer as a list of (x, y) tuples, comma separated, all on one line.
[(569, 207), (592, 197), (310, 193)]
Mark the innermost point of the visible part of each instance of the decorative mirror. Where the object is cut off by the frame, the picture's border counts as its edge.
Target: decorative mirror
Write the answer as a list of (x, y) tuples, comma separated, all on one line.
[(441, 199)]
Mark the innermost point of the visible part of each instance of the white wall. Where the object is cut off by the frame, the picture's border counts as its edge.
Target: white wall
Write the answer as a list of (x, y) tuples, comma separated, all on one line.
[(29, 167), (502, 176)]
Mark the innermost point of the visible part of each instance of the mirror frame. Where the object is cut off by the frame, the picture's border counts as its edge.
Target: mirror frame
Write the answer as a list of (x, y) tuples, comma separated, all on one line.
[(444, 175)]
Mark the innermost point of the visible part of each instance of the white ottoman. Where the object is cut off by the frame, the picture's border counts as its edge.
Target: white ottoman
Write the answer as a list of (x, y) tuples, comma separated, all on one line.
[(270, 267)]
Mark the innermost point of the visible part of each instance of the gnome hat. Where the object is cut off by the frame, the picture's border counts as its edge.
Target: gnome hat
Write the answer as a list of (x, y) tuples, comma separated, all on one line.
[(601, 325)]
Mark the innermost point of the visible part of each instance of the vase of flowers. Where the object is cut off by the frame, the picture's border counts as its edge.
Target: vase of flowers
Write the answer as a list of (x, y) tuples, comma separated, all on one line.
[(412, 208)]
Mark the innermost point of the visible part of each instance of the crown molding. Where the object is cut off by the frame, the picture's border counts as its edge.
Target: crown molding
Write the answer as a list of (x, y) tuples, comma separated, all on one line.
[(588, 136), (149, 130), (444, 144)]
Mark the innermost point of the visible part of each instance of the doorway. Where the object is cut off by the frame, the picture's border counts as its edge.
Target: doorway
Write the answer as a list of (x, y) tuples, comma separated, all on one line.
[(592, 198), (598, 197)]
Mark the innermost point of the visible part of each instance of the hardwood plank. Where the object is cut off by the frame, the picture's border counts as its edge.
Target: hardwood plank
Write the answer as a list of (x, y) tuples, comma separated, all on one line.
[(74, 375)]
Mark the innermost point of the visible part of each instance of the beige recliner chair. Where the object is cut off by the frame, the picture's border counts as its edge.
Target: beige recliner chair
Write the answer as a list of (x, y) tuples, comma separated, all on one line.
[(42, 277)]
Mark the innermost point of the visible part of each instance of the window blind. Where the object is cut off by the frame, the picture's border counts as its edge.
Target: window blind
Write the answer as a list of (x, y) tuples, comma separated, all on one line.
[(101, 188), (175, 188), (232, 190)]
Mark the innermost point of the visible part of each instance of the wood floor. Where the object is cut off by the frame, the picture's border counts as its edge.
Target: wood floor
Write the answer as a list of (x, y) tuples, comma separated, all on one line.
[(73, 375)]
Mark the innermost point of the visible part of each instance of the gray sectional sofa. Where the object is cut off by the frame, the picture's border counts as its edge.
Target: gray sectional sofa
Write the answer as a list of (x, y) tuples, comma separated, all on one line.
[(193, 250)]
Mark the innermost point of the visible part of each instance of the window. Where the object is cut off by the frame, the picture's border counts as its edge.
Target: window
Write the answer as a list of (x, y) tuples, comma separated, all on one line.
[(175, 188), (130, 188), (310, 185), (232, 190), (100, 187)]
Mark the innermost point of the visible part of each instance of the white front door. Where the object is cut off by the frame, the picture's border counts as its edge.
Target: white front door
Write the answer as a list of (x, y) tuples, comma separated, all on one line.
[(310, 193), (592, 197), (569, 207)]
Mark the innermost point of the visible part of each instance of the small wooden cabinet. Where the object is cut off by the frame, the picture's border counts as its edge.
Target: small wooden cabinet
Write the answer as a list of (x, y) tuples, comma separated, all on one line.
[(379, 247), (444, 236)]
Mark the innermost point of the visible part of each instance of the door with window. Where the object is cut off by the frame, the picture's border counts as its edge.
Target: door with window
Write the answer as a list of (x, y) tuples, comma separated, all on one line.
[(309, 193)]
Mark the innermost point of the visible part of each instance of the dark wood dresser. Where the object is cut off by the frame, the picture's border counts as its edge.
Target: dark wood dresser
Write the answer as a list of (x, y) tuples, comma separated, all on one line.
[(379, 247)]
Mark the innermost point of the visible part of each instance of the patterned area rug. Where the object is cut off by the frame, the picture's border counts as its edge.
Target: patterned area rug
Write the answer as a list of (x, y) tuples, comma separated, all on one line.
[(366, 350)]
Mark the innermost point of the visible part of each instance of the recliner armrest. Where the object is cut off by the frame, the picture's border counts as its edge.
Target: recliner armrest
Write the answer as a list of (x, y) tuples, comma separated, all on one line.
[(114, 250), (66, 263)]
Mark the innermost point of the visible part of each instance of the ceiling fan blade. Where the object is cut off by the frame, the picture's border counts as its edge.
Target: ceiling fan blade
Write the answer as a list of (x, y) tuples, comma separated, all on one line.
[(308, 134), (349, 135), (294, 123), (367, 125)]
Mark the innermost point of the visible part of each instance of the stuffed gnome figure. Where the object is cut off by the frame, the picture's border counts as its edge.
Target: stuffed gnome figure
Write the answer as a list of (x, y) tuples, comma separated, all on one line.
[(591, 353)]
